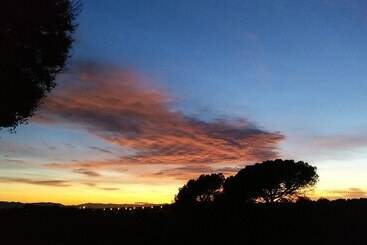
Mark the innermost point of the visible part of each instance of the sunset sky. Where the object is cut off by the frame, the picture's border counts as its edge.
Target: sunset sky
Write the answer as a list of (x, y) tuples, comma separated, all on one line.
[(158, 92)]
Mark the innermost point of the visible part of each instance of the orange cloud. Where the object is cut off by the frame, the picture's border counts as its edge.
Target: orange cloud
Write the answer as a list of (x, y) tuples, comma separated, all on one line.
[(123, 109)]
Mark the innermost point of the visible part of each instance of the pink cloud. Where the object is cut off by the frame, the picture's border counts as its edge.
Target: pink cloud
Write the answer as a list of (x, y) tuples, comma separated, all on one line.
[(121, 108)]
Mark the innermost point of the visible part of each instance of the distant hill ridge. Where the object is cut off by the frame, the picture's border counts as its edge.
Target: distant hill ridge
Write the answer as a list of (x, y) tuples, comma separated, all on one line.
[(6, 205), (112, 205)]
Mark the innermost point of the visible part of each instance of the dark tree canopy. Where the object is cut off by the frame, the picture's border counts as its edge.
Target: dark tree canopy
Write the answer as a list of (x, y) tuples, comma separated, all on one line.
[(35, 38), (202, 190), (271, 181)]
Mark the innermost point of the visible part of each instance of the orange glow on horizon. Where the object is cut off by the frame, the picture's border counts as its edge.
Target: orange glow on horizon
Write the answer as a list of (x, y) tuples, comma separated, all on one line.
[(81, 194), (136, 193)]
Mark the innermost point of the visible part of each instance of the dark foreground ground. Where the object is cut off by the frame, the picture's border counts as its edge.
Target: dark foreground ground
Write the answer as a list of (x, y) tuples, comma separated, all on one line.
[(338, 222)]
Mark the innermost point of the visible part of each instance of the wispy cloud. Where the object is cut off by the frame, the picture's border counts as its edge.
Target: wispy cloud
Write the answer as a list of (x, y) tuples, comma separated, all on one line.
[(186, 172), (96, 148), (109, 188), (121, 108), (55, 183), (15, 161), (341, 142), (86, 172), (332, 146), (180, 173)]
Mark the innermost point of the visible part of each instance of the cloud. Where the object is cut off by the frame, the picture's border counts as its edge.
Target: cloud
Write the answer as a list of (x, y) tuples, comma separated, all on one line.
[(181, 173), (187, 172), (340, 142), (54, 183), (109, 188), (121, 108), (331, 146), (76, 165), (16, 161), (91, 184), (86, 172), (96, 148)]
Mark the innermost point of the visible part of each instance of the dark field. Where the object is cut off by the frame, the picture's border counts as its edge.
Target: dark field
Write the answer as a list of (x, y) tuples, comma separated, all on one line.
[(322, 222)]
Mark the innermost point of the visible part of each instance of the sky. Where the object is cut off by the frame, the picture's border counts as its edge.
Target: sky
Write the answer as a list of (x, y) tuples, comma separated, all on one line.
[(158, 92)]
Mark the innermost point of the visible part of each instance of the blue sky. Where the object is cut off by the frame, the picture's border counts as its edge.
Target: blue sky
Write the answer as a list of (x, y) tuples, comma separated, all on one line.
[(260, 58), (293, 67)]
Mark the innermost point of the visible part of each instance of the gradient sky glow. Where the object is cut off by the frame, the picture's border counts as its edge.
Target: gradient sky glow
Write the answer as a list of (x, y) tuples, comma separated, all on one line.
[(158, 92)]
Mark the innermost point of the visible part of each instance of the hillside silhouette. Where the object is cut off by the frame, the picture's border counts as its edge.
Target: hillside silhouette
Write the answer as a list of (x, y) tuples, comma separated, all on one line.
[(203, 213), (304, 222)]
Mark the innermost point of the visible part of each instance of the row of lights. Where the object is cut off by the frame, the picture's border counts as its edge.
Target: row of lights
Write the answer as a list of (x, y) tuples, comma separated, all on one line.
[(127, 209)]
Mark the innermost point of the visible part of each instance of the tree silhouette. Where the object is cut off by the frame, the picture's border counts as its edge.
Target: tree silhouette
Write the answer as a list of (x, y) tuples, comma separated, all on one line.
[(271, 181), (202, 190), (35, 38)]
